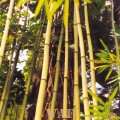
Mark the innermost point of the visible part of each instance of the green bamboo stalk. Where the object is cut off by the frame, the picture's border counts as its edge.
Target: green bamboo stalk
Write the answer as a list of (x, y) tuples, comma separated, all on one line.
[(113, 29), (116, 44), (5, 35), (7, 78), (90, 47), (83, 65), (4, 108), (76, 75), (115, 37), (43, 83), (21, 117), (56, 81)]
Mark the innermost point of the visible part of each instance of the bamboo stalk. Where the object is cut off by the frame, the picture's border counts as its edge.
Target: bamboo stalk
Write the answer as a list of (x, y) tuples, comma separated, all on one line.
[(56, 81), (115, 38), (34, 57), (65, 84), (5, 34), (76, 75), (21, 117), (116, 44), (113, 27), (83, 65), (7, 78), (90, 47), (43, 83), (4, 108)]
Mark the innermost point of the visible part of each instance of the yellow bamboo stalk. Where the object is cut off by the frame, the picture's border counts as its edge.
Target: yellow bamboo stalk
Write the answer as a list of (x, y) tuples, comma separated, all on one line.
[(65, 86), (76, 75), (83, 65), (90, 47), (43, 83), (5, 35), (56, 81)]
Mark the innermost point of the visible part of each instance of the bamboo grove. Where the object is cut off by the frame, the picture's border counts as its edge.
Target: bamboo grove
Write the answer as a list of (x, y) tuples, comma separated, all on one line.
[(64, 62)]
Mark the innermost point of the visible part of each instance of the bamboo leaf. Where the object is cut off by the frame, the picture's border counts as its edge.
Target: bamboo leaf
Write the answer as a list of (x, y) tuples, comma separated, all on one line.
[(56, 5), (102, 55), (112, 56), (116, 83), (100, 66), (98, 61), (102, 69), (108, 74), (97, 107), (21, 2), (104, 60), (112, 96), (47, 9), (40, 3), (105, 46), (96, 111), (66, 11), (98, 99)]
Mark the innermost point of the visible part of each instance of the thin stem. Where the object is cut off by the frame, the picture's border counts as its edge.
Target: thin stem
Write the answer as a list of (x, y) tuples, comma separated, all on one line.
[(55, 89), (92, 72)]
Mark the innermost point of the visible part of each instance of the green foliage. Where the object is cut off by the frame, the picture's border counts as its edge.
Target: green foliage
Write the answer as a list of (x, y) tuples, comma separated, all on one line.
[(38, 8), (55, 5), (106, 60), (47, 10), (103, 111), (105, 46)]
